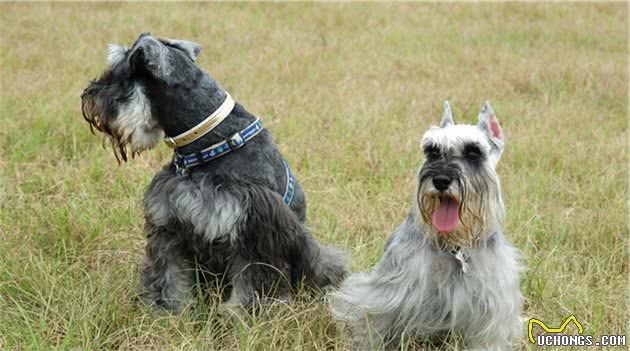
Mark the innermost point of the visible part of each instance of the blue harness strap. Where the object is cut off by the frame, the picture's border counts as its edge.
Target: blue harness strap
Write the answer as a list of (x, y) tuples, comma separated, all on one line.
[(290, 189), (183, 163)]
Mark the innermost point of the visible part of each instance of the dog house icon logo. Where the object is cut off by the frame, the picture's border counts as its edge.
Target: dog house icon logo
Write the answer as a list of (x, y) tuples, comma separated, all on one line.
[(558, 330)]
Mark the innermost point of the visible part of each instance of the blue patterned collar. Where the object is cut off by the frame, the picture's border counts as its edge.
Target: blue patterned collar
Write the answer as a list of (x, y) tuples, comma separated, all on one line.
[(183, 163)]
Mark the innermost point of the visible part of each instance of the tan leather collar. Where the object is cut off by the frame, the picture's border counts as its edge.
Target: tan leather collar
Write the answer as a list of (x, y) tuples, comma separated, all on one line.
[(204, 127)]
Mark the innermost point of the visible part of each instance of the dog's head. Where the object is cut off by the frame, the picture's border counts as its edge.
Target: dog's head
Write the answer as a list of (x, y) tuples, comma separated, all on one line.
[(126, 102), (459, 195)]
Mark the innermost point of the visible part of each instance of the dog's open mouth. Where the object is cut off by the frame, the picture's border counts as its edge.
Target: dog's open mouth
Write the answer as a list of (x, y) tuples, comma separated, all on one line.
[(446, 214)]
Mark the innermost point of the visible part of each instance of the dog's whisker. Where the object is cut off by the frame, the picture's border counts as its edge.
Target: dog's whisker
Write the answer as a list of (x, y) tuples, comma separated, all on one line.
[(104, 142), (112, 142), (123, 151)]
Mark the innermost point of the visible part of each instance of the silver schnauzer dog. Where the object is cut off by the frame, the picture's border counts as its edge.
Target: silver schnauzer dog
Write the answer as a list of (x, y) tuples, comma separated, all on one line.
[(448, 268), (227, 209)]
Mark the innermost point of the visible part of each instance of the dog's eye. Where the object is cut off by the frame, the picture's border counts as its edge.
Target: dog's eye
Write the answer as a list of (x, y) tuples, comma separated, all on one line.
[(432, 152), (472, 152)]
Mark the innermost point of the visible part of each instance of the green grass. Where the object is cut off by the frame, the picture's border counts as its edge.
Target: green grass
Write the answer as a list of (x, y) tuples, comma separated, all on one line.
[(347, 90)]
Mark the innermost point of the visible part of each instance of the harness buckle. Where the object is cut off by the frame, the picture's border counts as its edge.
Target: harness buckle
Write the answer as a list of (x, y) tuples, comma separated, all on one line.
[(236, 141), (180, 166)]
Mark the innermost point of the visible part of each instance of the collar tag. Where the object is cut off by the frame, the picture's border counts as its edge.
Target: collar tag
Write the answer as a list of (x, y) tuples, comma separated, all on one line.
[(463, 258)]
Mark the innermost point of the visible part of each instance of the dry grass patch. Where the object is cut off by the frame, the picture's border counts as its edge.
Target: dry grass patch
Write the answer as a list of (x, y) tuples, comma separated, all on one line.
[(347, 90)]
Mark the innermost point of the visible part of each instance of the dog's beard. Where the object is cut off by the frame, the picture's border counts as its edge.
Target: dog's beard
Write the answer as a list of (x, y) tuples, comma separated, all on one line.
[(476, 212), (132, 129)]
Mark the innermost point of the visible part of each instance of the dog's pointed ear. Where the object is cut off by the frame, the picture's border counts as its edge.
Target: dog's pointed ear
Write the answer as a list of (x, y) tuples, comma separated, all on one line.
[(192, 49), (148, 52), (489, 124), (115, 54), (447, 119)]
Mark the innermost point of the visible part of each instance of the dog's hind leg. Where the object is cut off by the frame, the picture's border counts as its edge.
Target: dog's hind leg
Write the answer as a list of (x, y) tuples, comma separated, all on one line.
[(255, 282), (167, 275), (273, 235)]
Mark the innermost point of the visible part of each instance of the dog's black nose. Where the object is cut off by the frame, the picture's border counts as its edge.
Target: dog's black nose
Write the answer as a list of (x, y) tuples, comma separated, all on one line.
[(441, 182)]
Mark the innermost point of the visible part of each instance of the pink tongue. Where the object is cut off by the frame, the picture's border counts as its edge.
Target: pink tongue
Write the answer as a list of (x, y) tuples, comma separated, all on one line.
[(446, 216)]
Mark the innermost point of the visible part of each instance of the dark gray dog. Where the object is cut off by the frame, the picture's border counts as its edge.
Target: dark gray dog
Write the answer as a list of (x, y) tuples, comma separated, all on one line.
[(228, 206)]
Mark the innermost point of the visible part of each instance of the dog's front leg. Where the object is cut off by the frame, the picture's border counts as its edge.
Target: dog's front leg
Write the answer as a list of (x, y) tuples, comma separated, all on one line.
[(167, 275)]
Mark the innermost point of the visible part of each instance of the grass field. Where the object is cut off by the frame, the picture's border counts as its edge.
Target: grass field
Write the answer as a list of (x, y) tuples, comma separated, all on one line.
[(347, 90)]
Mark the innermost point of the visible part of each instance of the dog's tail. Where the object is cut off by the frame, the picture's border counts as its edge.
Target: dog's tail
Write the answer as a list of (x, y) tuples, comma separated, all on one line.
[(327, 267), (272, 233)]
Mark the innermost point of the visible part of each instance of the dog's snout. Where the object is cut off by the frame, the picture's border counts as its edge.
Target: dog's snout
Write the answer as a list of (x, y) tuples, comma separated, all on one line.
[(441, 182)]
